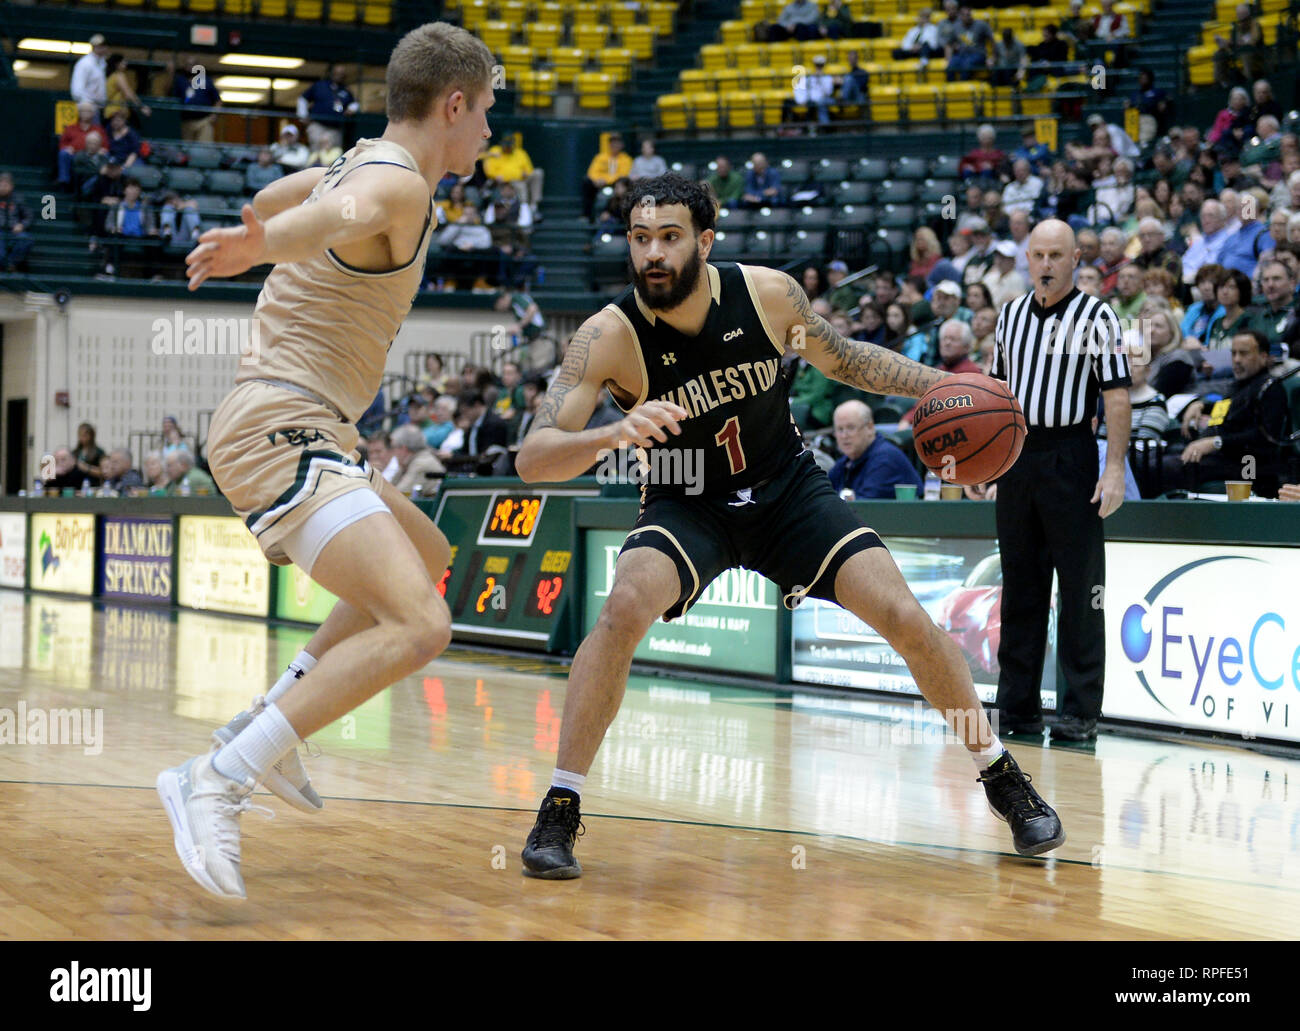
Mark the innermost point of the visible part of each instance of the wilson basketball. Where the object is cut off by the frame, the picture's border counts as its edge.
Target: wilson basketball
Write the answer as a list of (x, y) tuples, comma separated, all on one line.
[(969, 429)]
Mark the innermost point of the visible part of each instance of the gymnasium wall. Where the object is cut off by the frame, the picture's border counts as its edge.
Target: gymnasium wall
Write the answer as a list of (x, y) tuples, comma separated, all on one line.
[(100, 351)]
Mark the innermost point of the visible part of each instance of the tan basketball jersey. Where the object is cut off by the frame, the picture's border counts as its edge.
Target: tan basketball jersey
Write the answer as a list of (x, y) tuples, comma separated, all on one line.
[(326, 326)]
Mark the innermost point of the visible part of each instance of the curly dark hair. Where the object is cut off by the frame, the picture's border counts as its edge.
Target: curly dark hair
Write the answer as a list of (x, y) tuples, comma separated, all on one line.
[(672, 188)]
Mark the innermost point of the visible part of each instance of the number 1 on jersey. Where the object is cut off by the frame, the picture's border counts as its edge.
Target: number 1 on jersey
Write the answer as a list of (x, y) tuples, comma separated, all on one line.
[(729, 437)]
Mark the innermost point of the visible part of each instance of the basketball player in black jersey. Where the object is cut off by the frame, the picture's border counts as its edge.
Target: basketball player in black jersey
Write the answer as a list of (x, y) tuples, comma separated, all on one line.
[(691, 352)]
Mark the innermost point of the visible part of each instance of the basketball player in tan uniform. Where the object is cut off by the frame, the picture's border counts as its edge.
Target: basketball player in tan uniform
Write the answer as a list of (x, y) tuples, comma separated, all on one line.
[(348, 245)]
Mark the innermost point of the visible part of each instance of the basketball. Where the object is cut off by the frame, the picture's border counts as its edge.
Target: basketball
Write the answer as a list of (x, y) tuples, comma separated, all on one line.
[(969, 429)]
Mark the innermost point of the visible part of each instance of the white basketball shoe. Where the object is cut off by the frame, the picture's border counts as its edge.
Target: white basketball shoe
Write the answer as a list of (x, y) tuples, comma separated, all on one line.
[(287, 778)]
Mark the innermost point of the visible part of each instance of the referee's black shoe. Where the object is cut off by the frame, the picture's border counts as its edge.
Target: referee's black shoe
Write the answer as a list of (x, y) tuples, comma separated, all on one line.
[(1035, 827), (548, 852), (1074, 728)]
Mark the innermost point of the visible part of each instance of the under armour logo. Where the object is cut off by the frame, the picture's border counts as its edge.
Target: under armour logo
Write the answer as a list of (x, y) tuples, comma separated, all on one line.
[(670, 358)]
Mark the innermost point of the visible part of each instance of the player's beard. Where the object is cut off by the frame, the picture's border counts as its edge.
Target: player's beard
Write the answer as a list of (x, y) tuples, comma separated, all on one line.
[(660, 296)]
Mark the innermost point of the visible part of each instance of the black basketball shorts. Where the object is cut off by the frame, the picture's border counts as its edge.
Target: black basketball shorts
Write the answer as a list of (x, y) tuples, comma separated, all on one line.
[(794, 529)]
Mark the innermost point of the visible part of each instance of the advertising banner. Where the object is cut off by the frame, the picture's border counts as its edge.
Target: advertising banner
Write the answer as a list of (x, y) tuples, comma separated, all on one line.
[(13, 549), (958, 582), (220, 567), (1204, 637), (62, 552), (732, 628), (300, 598), (137, 562)]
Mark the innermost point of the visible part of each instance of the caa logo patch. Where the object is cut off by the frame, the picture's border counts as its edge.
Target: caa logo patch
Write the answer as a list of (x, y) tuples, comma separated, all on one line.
[(732, 335)]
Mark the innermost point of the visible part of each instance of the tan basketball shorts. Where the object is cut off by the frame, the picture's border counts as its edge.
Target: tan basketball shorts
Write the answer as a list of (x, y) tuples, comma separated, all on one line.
[(279, 457)]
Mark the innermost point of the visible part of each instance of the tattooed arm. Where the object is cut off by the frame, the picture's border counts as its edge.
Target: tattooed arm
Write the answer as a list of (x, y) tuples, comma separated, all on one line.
[(869, 367), (599, 355)]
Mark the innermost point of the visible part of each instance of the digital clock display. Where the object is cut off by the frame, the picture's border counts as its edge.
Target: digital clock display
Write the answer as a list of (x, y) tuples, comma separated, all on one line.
[(512, 518)]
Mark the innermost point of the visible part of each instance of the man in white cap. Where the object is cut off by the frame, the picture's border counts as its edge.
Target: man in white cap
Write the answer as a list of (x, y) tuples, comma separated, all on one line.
[(89, 85), (816, 90), (945, 305), (290, 153), (1002, 279)]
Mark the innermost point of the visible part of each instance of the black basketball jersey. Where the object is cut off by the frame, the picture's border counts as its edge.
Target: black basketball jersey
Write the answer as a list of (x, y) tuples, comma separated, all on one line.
[(729, 378)]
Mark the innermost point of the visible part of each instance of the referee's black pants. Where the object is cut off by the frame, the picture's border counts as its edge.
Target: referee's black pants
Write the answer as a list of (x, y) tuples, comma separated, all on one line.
[(1046, 520)]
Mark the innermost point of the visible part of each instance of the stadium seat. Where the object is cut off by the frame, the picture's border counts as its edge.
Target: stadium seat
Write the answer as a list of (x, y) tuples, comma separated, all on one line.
[(549, 12), (595, 91), (640, 39), (616, 62), (933, 191), (896, 216), (516, 58), (894, 191), (374, 12), (740, 108), (762, 245), (537, 89), (566, 62), (831, 170), (809, 217), (869, 170), (811, 242), (496, 35), (149, 177), (773, 105), (670, 109), (714, 56), (922, 104), (793, 171), (590, 37), (184, 180), (513, 11), (738, 219), (889, 247), (610, 245), (308, 10), (772, 218), (543, 36), (910, 168), (695, 80), (962, 100), (851, 192), (662, 17), (683, 168), (706, 110), (728, 246), (473, 13), (618, 14), (203, 6), (203, 155), (343, 12), (945, 166), (586, 14), (737, 33), (218, 181), (782, 55), (858, 216), (727, 79), (885, 103)]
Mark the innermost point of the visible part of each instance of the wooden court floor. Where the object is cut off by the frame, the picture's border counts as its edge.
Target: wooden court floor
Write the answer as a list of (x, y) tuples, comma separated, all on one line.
[(711, 811)]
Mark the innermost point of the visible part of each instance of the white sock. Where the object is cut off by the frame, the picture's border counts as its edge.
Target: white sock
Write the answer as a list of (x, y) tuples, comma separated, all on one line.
[(569, 781), (257, 748), (985, 758), (296, 670)]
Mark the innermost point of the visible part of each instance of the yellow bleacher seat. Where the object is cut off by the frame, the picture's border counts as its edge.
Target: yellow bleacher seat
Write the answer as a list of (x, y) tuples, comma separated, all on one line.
[(617, 62), (883, 49), (772, 103), (1034, 105), (662, 17), (695, 80), (236, 8), (550, 13), (566, 62), (586, 14), (782, 55), (130, 3), (740, 108), (906, 71), (878, 73), (884, 103), (934, 72), (728, 79), (814, 49), (961, 100), (715, 55), (343, 13), (537, 89), (202, 6), (473, 14), (922, 102), (640, 39), (765, 78), (1000, 103), (496, 35), (750, 55), (590, 37), (543, 35), (170, 5), (671, 109), (705, 110), (374, 12), (734, 33), (620, 15), (517, 59), (594, 89), (753, 11), (1200, 65)]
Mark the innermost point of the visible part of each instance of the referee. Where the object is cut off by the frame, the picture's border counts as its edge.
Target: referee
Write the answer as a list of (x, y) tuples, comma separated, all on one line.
[(1057, 348)]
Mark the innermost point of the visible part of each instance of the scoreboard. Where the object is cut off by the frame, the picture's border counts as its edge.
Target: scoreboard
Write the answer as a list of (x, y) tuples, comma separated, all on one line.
[(513, 573)]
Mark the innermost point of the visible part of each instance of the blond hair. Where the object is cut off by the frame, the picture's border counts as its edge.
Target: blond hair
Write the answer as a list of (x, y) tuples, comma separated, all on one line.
[(432, 61)]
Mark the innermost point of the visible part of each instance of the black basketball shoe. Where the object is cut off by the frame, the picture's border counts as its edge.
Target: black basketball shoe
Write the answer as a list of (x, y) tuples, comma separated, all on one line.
[(548, 852), (1035, 827)]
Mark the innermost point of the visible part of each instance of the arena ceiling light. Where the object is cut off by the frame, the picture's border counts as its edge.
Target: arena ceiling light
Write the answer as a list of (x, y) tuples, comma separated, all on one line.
[(256, 82), (262, 61), (53, 46), (234, 96)]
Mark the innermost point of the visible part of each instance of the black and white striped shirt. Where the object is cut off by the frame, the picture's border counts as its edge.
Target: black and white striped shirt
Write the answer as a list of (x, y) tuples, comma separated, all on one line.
[(1056, 359)]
